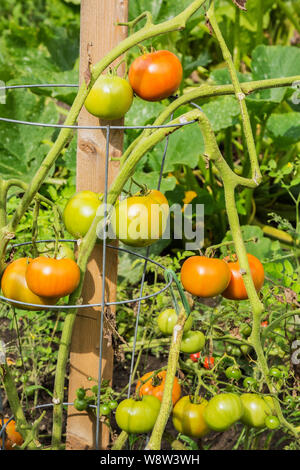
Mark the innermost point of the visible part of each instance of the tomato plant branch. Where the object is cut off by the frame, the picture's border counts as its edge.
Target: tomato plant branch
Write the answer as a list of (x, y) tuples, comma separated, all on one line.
[(210, 91), (240, 95), (166, 404)]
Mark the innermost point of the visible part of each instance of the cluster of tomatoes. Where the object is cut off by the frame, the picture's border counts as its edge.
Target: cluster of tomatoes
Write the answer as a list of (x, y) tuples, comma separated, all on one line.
[(137, 220), (152, 76), (208, 277), (193, 416), (39, 281)]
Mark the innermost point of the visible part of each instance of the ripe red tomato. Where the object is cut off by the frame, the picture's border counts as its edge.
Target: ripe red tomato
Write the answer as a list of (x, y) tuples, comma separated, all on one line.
[(14, 286), (236, 289), (155, 386), (208, 362), (205, 277), (140, 220), (110, 97), (156, 75), (12, 437), (195, 356), (138, 416), (188, 417), (80, 211), (50, 277)]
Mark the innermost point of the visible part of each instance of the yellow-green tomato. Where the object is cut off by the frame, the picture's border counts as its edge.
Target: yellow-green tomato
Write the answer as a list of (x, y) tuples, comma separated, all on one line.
[(256, 409), (80, 212), (192, 341), (188, 417), (110, 97), (167, 319), (138, 416), (140, 220), (223, 411)]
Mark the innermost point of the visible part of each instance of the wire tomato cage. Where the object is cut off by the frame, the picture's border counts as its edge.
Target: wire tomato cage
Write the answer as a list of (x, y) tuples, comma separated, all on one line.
[(169, 275)]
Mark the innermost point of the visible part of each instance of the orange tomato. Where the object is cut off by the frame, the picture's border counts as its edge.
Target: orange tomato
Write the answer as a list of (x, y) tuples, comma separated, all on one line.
[(236, 289), (12, 437), (50, 277), (205, 277), (155, 386), (14, 286), (156, 75)]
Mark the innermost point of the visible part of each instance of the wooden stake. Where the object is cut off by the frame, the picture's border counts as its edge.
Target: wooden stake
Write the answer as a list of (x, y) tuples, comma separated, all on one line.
[(99, 34)]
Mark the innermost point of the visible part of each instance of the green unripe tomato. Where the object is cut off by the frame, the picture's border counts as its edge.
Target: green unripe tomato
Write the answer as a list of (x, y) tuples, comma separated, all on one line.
[(104, 410), (246, 330), (80, 393), (192, 341), (110, 97), (233, 372), (167, 319), (80, 212), (80, 404), (138, 416), (272, 422), (223, 411), (256, 409), (113, 404), (275, 373), (249, 382)]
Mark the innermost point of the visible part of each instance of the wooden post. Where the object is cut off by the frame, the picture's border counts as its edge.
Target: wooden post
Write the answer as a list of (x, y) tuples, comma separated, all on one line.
[(99, 34)]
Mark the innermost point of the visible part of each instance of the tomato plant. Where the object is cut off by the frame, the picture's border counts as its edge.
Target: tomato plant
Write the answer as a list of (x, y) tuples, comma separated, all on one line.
[(110, 97), (140, 220), (188, 418), (192, 341), (80, 211), (153, 383), (167, 319), (50, 277), (204, 277), (155, 75), (256, 408), (12, 437), (138, 416), (223, 411), (236, 289), (14, 286)]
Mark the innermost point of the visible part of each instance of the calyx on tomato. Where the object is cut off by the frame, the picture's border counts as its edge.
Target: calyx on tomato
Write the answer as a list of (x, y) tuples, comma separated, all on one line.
[(140, 220), (153, 383), (50, 277), (205, 277)]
